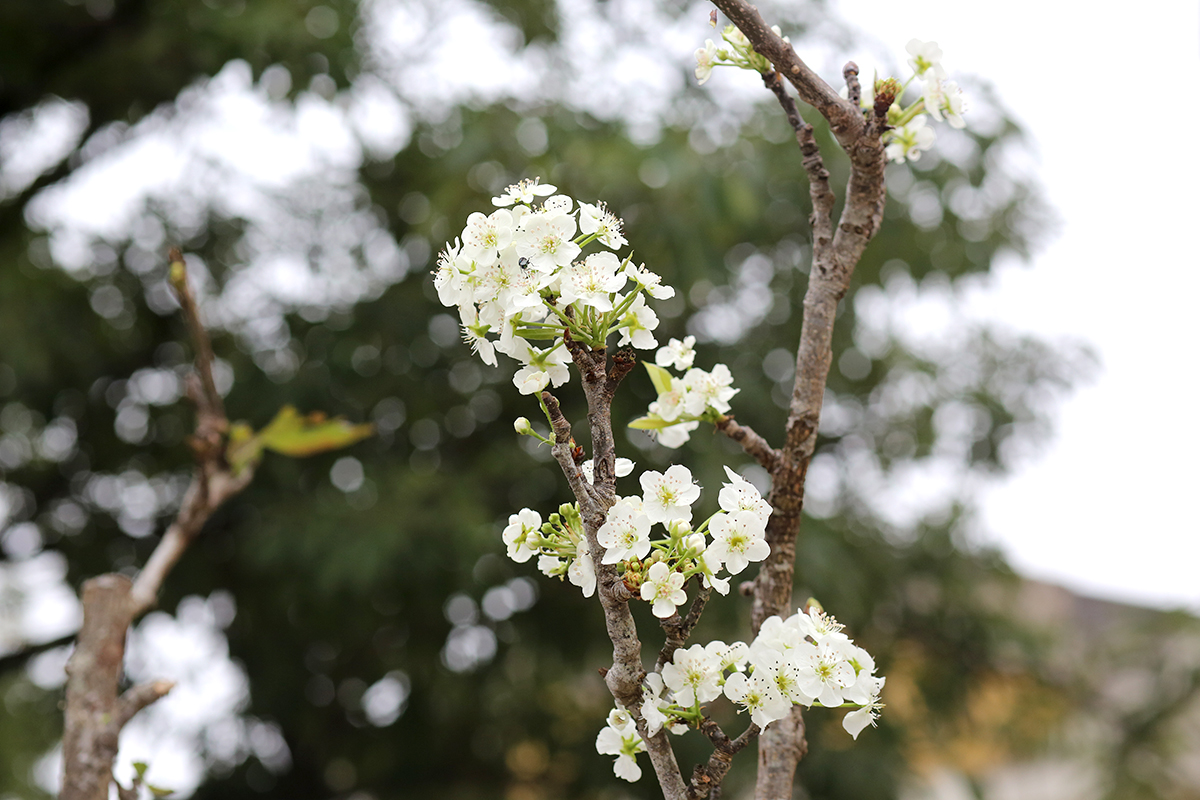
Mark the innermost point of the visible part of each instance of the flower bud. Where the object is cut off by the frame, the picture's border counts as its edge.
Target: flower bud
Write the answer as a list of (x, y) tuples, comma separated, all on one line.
[(521, 425)]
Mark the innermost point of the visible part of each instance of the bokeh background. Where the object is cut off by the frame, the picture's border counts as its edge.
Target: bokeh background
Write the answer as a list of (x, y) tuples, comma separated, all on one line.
[(349, 627)]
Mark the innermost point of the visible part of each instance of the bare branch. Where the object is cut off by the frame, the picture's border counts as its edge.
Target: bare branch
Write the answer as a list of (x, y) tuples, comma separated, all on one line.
[(853, 89), (94, 714), (138, 697), (198, 505), (707, 777), (755, 446), (191, 313)]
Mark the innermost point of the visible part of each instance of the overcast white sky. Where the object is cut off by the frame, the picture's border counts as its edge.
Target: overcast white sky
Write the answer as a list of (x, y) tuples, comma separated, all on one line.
[(1110, 508)]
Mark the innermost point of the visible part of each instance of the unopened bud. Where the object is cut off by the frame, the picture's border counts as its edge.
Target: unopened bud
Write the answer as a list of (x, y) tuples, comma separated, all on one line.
[(886, 92), (521, 425)]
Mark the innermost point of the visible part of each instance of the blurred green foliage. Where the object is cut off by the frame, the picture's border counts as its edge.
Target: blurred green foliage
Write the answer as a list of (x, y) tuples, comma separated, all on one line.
[(339, 585)]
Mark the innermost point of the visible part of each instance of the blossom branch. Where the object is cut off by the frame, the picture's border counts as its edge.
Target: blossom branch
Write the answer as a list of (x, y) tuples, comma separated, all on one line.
[(835, 254), (755, 445), (624, 677)]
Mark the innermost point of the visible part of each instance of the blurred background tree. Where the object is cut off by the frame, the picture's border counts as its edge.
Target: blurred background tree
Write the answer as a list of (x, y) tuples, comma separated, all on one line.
[(349, 625)]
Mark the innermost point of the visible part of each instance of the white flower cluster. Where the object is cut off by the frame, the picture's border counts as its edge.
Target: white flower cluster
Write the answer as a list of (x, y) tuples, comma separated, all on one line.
[(740, 53), (658, 569), (940, 99), (655, 570), (683, 402), (560, 545), (519, 275), (805, 659)]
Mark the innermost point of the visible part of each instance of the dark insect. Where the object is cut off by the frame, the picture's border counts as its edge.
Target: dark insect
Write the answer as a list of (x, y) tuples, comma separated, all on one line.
[(522, 262)]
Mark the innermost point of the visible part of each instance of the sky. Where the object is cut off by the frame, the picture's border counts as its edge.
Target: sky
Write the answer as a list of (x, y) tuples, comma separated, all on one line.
[(1107, 508)]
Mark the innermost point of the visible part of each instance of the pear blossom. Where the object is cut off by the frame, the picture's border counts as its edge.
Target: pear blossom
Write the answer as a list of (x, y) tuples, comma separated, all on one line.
[(860, 718), (546, 241), (677, 355), (664, 588), (693, 676), (625, 745), (485, 236), (525, 192), (737, 540), (909, 142), (637, 324), (622, 467), (451, 278), (944, 97), (597, 219), (704, 61), (741, 495), (709, 389), (592, 282), (582, 571), (671, 403), (669, 496), (522, 535), (825, 672), (926, 57), (676, 435), (625, 533), (758, 695), (650, 281), (475, 334)]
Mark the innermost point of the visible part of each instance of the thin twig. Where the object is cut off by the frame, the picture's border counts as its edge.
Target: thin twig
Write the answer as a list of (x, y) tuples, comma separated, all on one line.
[(755, 446)]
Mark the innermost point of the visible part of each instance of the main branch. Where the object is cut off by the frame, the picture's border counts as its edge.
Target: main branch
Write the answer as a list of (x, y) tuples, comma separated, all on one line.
[(835, 254)]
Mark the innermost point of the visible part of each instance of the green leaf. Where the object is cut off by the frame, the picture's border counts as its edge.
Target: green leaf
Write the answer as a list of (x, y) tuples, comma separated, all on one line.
[(294, 435), (659, 377), (244, 448), (651, 423), (159, 791), (140, 768)]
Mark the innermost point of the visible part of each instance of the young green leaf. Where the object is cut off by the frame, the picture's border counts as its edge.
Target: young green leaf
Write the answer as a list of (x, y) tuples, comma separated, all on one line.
[(294, 435), (659, 377)]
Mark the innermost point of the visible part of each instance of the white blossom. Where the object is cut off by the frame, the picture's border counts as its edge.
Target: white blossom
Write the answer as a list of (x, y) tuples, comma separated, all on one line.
[(709, 389), (677, 355), (741, 495), (650, 281), (636, 325), (522, 535), (945, 98), (704, 61), (693, 676), (625, 533), (909, 142), (597, 219), (525, 192), (737, 540), (664, 588), (758, 695), (676, 435), (926, 58), (669, 496), (582, 571)]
